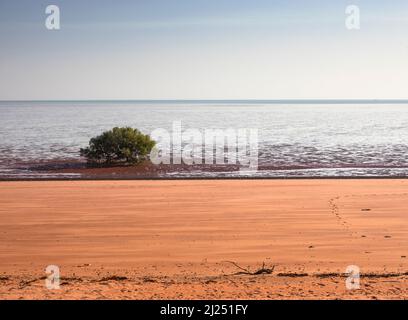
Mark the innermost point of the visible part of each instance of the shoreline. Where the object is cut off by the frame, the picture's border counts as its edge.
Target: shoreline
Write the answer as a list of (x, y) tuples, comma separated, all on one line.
[(185, 178), (62, 169), (167, 239)]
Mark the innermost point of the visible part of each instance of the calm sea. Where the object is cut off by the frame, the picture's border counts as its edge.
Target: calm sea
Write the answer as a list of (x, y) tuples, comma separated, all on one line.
[(296, 139)]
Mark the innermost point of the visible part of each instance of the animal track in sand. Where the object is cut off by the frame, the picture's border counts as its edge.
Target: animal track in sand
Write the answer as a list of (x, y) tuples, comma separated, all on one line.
[(335, 210)]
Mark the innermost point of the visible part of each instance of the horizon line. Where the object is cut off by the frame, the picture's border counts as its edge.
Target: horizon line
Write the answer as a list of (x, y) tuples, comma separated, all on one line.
[(270, 101)]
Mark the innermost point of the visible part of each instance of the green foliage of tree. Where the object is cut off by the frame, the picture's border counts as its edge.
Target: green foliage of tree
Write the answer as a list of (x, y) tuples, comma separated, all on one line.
[(119, 145)]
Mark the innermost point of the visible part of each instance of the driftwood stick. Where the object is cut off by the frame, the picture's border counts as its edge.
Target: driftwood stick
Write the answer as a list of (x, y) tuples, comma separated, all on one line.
[(262, 270)]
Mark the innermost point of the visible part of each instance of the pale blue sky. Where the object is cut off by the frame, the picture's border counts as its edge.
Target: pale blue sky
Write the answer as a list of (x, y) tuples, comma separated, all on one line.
[(203, 49)]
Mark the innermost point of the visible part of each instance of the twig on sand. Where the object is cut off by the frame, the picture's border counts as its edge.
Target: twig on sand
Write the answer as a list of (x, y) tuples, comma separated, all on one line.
[(262, 270), (26, 283)]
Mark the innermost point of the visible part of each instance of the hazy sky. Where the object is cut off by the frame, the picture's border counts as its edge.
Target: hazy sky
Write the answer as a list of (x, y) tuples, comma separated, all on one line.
[(203, 49)]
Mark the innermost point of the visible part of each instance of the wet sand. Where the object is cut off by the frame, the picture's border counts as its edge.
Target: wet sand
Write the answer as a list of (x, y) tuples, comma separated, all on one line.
[(188, 239)]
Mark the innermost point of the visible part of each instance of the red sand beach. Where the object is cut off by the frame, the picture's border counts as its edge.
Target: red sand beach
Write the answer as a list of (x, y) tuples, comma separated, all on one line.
[(187, 239)]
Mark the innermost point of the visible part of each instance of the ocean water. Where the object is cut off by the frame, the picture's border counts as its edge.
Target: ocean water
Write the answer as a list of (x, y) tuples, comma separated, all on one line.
[(348, 139)]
